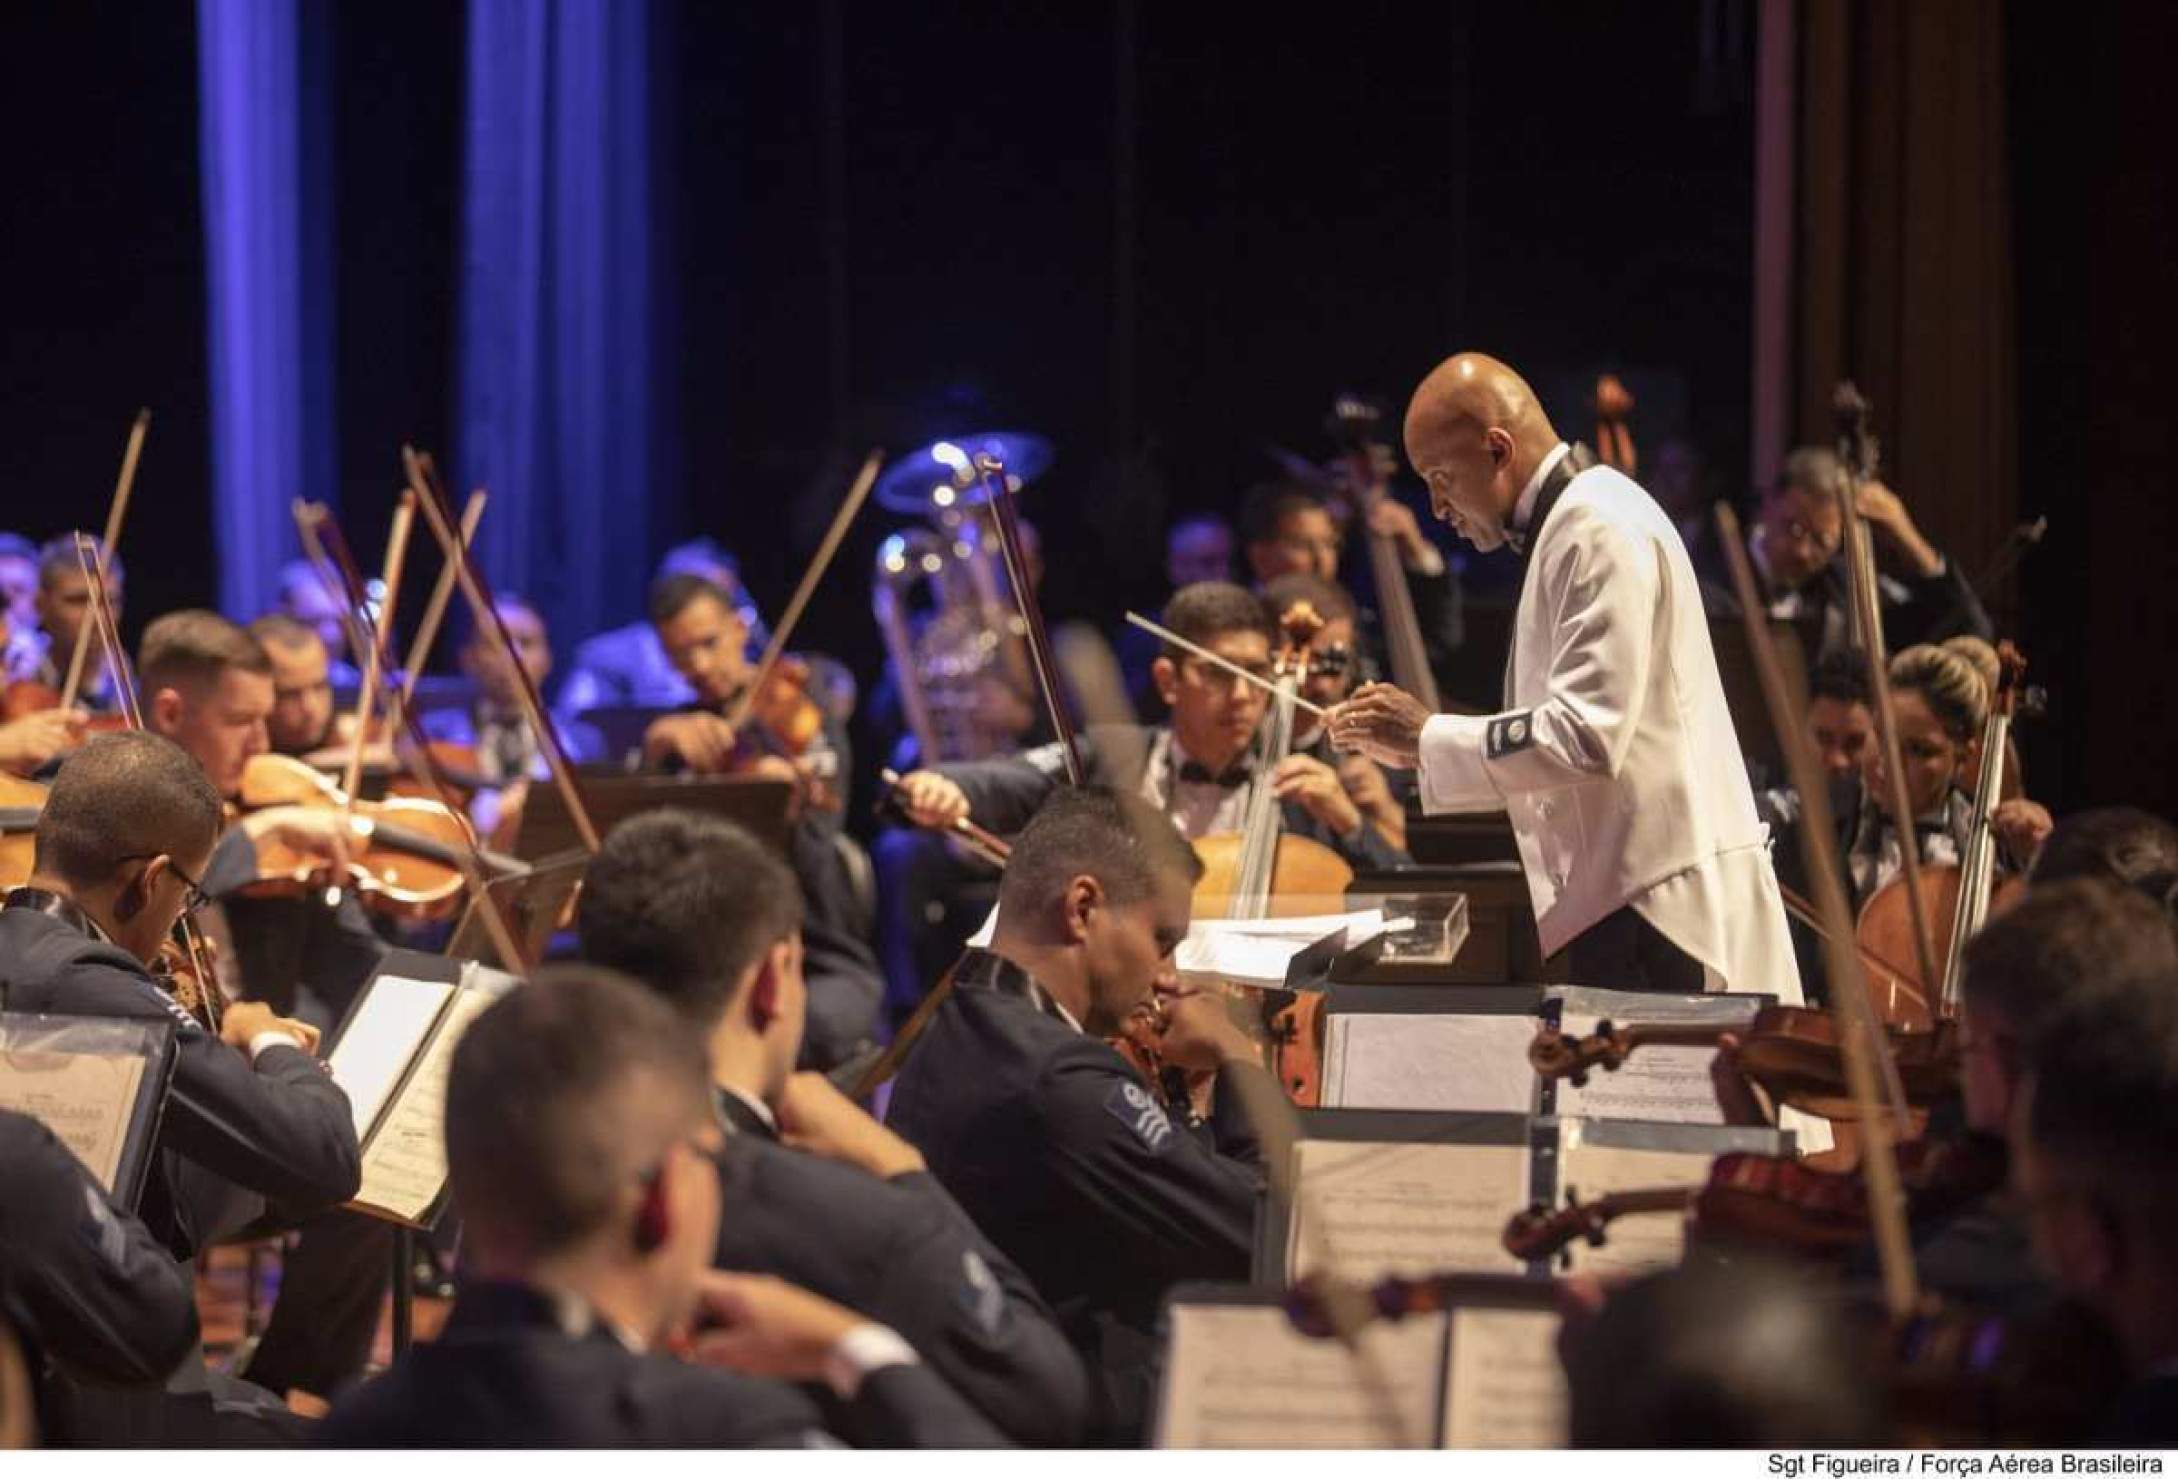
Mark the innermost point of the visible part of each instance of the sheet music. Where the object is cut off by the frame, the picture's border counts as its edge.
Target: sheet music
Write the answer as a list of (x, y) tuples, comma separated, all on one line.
[(1637, 1243), (1240, 1376), (1504, 1387), (1383, 1060), (85, 1099), (1654, 1083), (404, 1167), (382, 1041), (1372, 1209)]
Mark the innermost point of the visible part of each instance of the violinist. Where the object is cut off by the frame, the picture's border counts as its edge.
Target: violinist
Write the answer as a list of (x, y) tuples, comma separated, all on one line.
[(1287, 528), (124, 844), (42, 654), (2091, 1142), (1614, 754), (1046, 1135), (706, 639), (628, 666), (1840, 715), (301, 721), (305, 599), (1196, 769), (29, 744), (18, 582), (1796, 548), (208, 686), (492, 727)]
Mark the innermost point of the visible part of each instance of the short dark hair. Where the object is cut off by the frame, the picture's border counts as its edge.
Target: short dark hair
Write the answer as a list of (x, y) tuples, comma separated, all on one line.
[(672, 594), (1809, 470), (1267, 505), (463, 627), (563, 1093), (278, 629), (1841, 677), (1331, 600), (57, 557), (685, 903), (1117, 838), (2121, 843), (2057, 942), (132, 795), (1210, 609), (1745, 1353), (193, 648), (2104, 1108)]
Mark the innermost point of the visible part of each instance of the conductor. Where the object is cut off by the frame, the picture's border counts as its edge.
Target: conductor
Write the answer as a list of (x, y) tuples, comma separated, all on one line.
[(1614, 755)]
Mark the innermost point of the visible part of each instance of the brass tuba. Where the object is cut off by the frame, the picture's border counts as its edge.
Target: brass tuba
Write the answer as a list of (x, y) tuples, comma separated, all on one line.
[(940, 595)]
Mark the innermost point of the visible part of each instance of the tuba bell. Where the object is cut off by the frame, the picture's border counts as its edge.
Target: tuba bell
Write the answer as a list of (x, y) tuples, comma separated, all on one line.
[(941, 598)]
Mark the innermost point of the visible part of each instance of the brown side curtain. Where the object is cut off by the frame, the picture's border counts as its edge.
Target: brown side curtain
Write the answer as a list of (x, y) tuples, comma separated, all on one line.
[(1904, 258)]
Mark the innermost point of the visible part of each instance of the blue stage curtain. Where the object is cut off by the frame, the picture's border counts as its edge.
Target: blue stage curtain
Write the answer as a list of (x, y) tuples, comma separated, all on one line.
[(265, 228), (557, 412)]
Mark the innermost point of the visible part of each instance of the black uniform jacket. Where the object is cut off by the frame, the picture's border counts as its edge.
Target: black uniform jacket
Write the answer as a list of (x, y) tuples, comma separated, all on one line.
[(902, 1252), (1004, 794), (84, 1284), (1059, 1153), (280, 1128), (1916, 608), (503, 1374)]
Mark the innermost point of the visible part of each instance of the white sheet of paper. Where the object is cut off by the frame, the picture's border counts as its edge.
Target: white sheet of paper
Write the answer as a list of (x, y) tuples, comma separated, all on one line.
[(379, 1044), (1369, 1209), (1504, 1387), (1361, 926), (85, 1099), (1643, 1241), (1384, 1060), (1670, 1085), (985, 932), (1249, 960), (1240, 1376), (405, 1167)]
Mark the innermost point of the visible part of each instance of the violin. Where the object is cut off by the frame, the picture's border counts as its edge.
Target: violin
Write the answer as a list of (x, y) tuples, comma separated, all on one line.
[(1775, 1201), (187, 967), (1794, 1053), (28, 696), (405, 857)]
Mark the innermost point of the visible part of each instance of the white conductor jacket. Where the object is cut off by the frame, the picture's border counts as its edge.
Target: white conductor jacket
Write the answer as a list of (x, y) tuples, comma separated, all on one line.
[(1615, 756)]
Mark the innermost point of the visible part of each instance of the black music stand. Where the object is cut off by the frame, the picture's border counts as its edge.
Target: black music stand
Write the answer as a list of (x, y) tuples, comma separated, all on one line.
[(758, 803)]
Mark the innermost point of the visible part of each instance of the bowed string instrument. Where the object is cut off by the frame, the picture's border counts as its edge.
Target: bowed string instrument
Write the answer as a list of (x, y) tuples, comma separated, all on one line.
[(185, 963)]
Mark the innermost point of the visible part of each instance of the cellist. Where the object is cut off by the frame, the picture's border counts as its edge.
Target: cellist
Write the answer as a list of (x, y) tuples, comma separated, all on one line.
[(1196, 768)]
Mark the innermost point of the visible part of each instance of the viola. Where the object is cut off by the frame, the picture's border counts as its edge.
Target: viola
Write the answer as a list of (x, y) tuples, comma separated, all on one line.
[(29, 696), (405, 856), (187, 966)]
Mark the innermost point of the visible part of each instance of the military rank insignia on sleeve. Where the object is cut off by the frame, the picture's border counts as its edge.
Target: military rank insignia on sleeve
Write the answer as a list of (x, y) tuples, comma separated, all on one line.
[(1509, 734), (1132, 1106)]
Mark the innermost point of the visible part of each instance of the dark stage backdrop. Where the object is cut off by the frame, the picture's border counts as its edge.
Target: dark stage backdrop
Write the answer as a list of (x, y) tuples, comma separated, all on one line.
[(1161, 235)]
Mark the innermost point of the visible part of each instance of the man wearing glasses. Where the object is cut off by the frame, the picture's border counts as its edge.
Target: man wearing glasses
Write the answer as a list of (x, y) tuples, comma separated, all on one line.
[(1795, 547), (127, 833)]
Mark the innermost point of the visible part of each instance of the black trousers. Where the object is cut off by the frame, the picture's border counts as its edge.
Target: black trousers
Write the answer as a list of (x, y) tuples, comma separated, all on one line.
[(1625, 952)]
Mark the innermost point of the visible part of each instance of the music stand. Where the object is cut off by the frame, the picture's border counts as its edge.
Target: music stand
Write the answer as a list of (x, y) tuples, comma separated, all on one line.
[(758, 803), (533, 903)]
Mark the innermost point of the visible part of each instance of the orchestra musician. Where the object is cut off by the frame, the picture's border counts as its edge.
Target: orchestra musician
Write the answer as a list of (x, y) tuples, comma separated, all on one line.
[(305, 598), (1196, 769), (1046, 1135), (1796, 550), (1334, 672), (124, 844), (18, 582), (580, 1142), (1614, 754), (301, 721), (628, 666), (42, 653), (824, 1196), (705, 638), (1287, 528)]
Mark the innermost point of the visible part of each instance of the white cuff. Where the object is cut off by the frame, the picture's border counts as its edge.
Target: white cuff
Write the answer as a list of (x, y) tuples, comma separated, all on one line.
[(1452, 776), (861, 1351), (273, 1039)]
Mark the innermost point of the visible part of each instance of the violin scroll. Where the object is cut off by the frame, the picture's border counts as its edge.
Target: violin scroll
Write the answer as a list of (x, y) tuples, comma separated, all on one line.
[(1538, 1232), (1557, 1054)]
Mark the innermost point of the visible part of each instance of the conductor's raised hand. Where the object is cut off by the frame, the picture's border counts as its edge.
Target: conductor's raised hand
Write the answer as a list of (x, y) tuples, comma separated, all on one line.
[(1383, 723), (930, 800)]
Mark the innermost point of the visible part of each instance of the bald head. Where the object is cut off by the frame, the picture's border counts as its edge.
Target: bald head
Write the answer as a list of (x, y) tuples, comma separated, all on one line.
[(1475, 432)]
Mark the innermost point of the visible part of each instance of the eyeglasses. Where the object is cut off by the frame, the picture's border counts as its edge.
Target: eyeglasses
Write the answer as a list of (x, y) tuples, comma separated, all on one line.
[(192, 901)]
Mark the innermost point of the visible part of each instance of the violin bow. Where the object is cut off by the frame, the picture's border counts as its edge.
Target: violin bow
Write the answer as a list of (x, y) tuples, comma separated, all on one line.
[(404, 518), (1856, 463), (116, 512), (775, 649), (427, 630), (1007, 520), (328, 550), (91, 557), (485, 608), (1868, 1064)]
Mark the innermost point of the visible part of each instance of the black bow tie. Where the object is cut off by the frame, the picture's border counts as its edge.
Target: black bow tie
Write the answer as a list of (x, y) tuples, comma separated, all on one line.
[(1231, 778)]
